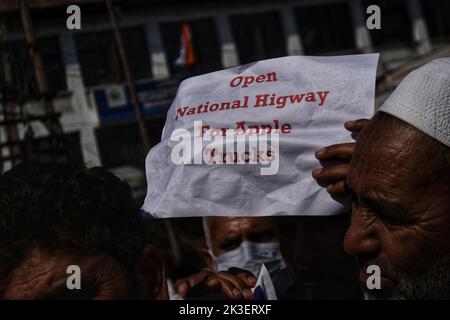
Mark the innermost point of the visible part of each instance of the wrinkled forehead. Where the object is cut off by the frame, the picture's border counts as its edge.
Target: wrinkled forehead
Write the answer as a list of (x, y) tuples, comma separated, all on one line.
[(390, 152), (37, 274), (42, 273)]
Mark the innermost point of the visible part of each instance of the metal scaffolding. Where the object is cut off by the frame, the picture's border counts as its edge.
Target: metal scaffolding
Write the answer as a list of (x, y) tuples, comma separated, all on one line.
[(14, 148)]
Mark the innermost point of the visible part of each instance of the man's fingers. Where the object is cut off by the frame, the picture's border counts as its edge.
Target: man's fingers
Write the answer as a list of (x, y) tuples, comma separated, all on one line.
[(332, 174), (234, 286), (184, 285), (244, 275), (356, 125), (235, 280), (205, 287), (247, 294), (341, 151), (240, 287), (337, 188), (229, 289), (198, 277)]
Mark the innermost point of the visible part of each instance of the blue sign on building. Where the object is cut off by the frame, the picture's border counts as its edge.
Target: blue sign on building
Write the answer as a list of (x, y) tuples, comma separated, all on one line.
[(114, 102)]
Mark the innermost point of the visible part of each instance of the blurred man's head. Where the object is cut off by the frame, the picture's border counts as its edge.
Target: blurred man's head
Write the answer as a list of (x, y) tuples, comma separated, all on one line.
[(312, 248), (400, 180), (242, 242), (53, 216)]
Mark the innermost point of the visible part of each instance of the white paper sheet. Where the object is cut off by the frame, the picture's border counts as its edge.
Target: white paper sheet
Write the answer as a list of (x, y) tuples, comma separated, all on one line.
[(321, 94)]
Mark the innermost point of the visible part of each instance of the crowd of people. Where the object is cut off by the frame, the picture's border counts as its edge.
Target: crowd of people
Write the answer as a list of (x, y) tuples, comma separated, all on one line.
[(397, 176)]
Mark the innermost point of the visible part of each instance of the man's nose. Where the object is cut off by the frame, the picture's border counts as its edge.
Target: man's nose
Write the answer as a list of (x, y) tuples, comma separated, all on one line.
[(361, 237)]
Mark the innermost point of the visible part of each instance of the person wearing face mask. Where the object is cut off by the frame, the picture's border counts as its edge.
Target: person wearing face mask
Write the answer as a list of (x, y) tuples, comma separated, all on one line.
[(234, 245), (241, 242)]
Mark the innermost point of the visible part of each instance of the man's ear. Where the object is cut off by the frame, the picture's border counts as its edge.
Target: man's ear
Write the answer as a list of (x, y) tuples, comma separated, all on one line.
[(208, 259), (151, 275)]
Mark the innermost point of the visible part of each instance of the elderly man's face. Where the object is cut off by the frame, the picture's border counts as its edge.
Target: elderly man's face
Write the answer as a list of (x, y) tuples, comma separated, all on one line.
[(400, 211)]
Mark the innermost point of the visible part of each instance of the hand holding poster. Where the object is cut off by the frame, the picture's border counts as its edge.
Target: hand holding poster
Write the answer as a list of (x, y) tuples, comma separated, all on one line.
[(241, 141)]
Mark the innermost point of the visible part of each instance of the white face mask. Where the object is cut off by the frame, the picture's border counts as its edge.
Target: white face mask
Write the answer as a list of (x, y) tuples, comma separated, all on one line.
[(250, 256)]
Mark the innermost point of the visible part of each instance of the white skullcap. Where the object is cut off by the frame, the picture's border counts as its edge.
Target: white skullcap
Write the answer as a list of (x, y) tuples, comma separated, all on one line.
[(422, 99)]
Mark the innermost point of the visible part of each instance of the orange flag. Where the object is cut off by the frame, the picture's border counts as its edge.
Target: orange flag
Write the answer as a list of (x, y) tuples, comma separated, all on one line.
[(187, 55)]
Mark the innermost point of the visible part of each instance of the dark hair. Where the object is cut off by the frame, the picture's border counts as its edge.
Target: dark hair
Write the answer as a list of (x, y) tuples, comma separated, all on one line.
[(57, 207)]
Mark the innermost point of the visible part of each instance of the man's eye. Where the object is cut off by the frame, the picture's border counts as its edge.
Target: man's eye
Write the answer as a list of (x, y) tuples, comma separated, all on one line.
[(388, 213), (393, 218)]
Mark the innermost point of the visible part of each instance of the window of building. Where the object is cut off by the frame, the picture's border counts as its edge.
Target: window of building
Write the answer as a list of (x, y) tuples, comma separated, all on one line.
[(258, 36), (24, 80), (436, 14), (99, 57), (325, 28), (395, 23), (205, 45)]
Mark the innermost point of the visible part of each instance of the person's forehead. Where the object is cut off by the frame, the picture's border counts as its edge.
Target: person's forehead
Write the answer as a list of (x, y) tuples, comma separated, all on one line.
[(41, 262), (392, 155), (219, 225), (42, 272), (36, 274)]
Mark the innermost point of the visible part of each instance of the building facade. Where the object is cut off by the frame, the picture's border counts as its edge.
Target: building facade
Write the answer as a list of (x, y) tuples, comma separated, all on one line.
[(84, 70)]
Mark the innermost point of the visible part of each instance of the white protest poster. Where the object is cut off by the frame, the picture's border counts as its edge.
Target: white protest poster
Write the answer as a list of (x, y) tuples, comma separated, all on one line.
[(241, 141)]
